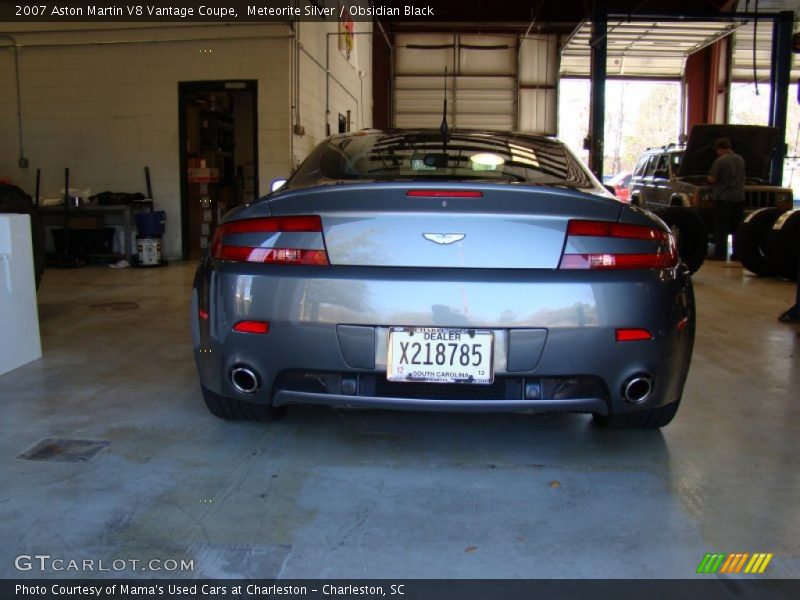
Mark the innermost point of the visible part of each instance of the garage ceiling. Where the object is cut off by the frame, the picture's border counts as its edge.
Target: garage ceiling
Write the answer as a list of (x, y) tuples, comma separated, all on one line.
[(654, 49), (658, 49), (742, 66)]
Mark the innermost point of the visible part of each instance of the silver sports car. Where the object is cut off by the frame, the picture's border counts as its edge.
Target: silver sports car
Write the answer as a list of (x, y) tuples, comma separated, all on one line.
[(444, 270)]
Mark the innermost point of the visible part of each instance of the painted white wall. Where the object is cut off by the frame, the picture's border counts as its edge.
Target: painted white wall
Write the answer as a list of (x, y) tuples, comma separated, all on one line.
[(349, 86), (102, 99)]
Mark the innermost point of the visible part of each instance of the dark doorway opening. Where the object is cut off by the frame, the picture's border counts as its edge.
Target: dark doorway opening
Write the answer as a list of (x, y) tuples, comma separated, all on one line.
[(218, 155)]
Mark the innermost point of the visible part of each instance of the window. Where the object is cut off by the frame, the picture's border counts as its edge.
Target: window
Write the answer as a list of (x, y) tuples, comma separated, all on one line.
[(651, 165), (639, 170), (675, 162), (423, 155), (660, 171)]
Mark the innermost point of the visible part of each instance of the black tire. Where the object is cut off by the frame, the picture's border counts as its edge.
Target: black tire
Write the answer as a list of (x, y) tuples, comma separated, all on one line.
[(750, 241), (232, 409), (14, 200), (690, 231), (782, 245), (652, 418)]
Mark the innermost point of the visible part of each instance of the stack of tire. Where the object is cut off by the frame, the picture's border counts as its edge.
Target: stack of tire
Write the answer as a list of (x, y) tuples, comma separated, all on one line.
[(767, 242), (690, 234), (14, 200)]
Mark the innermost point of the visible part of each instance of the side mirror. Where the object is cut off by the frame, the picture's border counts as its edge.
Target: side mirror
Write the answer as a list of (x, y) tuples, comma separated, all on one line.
[(277, 184)]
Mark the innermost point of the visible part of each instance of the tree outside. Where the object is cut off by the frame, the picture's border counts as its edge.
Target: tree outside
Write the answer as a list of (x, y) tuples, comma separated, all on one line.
[(639, 114), (749, 108)]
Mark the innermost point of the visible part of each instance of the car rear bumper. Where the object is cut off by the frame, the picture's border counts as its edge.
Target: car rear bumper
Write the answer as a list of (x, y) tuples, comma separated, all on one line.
[(598, 405), (328, 334)]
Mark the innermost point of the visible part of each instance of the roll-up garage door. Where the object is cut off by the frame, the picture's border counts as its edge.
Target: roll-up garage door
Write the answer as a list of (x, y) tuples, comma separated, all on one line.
[(486, 88), (481, 82)]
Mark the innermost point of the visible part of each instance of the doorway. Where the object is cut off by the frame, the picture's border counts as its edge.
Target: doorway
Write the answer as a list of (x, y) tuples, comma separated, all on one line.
[(218, 156)]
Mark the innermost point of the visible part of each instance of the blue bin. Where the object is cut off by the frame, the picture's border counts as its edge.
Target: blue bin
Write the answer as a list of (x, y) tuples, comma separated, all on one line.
[(151, 224)]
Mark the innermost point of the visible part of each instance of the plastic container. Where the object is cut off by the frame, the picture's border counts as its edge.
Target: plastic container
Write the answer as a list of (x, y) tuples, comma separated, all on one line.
[(149, 251), (151, 224)]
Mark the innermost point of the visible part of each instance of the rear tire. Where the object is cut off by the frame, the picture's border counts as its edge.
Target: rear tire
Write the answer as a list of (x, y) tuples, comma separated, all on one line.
[(750, 241), (652, 418), (691, 234), (14, 200), (782, 246), (232, 409)]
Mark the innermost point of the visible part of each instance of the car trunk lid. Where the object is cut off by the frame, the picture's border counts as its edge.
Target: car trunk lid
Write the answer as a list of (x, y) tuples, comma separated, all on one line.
[(444, 224)]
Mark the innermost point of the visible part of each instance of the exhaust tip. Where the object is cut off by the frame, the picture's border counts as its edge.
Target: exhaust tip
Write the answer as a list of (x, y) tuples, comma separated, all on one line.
[(637, 389), (244, 379)]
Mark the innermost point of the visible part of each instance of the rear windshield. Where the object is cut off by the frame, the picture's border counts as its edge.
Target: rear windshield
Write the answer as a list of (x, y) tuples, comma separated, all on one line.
[(386, 156)]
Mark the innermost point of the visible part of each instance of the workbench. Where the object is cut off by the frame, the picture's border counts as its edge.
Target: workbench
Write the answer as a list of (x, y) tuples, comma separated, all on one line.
[(55, 215)]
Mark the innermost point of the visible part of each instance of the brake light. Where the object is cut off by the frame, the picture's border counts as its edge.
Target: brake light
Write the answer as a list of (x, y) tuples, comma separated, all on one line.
[(664, 255), (222, 249), (444, 194)]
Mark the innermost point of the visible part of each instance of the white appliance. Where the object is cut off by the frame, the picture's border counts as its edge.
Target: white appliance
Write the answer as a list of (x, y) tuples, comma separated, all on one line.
[(19, 317)]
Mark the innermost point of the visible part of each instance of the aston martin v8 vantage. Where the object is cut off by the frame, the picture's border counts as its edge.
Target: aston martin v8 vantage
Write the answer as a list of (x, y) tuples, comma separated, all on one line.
[(443, 270)]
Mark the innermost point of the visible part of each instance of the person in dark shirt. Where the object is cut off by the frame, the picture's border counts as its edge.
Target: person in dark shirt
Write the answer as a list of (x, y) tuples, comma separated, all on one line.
[(727, 176)]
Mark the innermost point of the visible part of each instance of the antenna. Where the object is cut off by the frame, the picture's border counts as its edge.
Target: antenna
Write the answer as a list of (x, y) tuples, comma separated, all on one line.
[(443, 128)]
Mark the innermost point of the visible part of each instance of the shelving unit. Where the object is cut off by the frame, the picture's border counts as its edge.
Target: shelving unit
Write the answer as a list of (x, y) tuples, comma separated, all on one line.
[(219, 137), (54, 215)]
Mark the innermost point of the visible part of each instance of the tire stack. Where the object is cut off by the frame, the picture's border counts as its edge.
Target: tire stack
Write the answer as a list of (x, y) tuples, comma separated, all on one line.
[(14, 200), (690, 234), (767, 242)]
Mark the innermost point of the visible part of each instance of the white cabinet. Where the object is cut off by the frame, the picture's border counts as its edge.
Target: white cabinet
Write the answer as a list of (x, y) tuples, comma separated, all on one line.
[(19, 317)]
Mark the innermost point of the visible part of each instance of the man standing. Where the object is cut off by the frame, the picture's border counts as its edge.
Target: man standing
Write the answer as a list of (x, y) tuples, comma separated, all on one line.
[(727, 176)]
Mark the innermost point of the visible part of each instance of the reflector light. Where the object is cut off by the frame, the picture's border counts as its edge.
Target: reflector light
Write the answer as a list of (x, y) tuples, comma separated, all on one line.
[(633, 335), (252, 327), (683, 323), (444, 194), (203, 314)]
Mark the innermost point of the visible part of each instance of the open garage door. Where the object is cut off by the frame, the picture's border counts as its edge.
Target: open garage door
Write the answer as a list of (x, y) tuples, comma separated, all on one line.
[(484, 89)]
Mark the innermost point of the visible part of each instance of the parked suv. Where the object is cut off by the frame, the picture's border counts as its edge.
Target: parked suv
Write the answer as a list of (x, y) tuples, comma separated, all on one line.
[(675, 176)]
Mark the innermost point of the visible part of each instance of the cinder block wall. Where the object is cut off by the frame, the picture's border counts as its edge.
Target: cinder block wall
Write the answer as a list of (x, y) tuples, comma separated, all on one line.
[(102, 99), (349, 86)]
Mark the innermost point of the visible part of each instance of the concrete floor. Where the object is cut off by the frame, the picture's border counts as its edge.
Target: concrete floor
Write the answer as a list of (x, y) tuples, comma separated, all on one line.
[(387, 494)]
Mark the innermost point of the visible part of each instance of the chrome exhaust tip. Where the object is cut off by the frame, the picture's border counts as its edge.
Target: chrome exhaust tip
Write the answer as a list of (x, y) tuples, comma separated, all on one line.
[(244, 379), (637, 389)]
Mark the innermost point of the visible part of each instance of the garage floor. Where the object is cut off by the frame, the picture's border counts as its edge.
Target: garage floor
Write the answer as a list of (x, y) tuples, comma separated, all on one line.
[(385, 494)]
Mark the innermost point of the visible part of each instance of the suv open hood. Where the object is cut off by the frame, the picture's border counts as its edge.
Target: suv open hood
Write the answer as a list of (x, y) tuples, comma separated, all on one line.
[(753, 143)]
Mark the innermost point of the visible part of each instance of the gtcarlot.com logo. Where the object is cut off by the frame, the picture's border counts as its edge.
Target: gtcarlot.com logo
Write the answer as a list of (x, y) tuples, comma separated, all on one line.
[(737, 562), (46, 562)]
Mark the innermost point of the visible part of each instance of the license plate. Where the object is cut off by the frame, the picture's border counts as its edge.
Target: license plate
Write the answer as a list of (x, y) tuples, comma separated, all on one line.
[(437, 355)]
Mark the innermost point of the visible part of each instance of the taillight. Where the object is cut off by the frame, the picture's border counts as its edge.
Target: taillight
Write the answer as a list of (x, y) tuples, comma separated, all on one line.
[(224, 249), (663, 256)]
